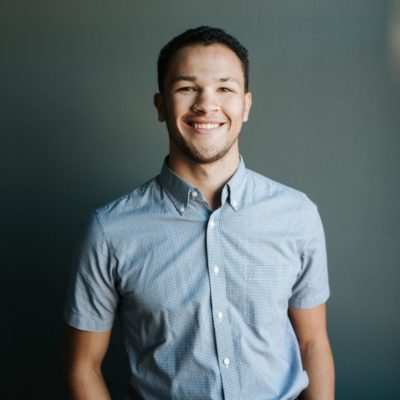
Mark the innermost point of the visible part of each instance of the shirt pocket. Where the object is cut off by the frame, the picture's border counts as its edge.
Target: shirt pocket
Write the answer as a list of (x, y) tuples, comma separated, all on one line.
[(268, 289)]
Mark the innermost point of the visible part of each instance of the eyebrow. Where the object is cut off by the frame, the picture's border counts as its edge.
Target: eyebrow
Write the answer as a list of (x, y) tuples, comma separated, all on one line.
[(179, 78), (192, 78), (229, 80)]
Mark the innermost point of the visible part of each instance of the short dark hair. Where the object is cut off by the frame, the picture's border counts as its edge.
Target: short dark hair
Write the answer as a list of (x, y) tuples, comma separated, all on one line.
[(202, 35)]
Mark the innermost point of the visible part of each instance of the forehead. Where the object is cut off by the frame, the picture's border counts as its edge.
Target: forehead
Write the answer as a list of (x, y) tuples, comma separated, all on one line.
[(200, 61)]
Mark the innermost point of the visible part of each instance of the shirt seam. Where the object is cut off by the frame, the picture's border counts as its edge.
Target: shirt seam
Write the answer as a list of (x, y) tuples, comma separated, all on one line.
[(110, 247), (308, 226)]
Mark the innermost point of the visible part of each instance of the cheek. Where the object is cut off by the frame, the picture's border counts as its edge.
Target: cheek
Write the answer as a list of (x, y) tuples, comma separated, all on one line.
[(237, 111), (177, 109)]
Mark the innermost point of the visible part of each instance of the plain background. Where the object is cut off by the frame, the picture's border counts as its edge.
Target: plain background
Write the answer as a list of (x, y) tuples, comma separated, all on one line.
[(78, 129)]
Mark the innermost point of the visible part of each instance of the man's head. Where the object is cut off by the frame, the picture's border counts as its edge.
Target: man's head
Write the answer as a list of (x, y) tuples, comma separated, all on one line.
[(203, 95), (206, 36)]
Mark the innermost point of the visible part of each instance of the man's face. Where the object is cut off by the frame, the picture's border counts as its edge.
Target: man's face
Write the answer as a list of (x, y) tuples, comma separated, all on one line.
[(204, 103)]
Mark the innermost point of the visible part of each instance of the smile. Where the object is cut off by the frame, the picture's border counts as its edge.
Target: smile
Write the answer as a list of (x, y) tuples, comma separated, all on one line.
[(205, 126)]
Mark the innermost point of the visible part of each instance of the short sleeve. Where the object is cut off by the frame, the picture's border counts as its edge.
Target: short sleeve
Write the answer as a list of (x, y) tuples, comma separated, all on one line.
[(92, 298), (312, 286)]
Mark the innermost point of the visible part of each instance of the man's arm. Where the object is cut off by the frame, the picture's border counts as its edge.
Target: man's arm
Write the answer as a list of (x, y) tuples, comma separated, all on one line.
[(310, 327), (83, 356)]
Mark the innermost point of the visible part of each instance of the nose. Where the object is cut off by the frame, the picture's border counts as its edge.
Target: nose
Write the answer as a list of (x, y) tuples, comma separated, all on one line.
[(205, 103)]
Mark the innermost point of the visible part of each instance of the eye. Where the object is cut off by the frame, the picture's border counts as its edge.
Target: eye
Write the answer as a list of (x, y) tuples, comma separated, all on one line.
[(225, 90), (187, 89)]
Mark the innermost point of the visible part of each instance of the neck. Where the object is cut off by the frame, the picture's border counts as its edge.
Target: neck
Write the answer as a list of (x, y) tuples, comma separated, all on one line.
[(208, 178)]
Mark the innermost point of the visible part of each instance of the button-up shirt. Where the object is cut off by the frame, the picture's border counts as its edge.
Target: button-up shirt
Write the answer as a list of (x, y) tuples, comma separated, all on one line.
[(202, 295)]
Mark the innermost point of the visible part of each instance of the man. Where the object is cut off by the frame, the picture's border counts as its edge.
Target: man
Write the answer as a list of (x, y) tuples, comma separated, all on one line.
[(218, 275)]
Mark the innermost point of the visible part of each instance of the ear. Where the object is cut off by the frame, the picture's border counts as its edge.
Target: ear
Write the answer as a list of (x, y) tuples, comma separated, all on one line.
[(247, 105), (159, 104)]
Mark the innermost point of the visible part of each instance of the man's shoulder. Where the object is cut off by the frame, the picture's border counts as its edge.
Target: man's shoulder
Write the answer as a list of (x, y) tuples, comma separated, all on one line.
[(136, 202), (274, 189)]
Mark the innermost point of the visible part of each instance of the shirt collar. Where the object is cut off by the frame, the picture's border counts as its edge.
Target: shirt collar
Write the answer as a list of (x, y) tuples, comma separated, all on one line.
[(236, 186), (179, 190)]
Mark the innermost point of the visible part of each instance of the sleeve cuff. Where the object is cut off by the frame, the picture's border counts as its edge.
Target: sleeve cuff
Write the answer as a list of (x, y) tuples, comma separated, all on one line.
[(310, 303), (85, 323)]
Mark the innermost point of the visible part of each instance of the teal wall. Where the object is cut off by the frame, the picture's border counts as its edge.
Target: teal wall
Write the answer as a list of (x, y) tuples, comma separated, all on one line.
[(78, 129)]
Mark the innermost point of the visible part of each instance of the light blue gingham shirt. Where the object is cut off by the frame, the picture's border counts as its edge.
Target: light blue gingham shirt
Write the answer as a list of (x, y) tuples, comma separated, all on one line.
[(201, 295)]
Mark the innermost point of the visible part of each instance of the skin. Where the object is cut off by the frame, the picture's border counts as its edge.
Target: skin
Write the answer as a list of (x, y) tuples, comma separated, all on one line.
[(204, 106), (204, 85), (83, 355), (310, 327)]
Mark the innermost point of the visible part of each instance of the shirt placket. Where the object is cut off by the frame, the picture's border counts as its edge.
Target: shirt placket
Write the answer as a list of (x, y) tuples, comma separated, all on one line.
[(222, 328)]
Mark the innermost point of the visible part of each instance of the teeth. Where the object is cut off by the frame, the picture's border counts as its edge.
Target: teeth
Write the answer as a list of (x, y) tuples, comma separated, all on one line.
[(205, 126)]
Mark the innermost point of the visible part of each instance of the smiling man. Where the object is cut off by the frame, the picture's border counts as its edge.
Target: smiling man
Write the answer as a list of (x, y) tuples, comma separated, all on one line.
[(218, 275)]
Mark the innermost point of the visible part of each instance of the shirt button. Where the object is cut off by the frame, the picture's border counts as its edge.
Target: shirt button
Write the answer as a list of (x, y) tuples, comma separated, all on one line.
[(194, 193), (216, 269), (234, 203), (226, 361), (220, 315), (212, 223), (182, 209)]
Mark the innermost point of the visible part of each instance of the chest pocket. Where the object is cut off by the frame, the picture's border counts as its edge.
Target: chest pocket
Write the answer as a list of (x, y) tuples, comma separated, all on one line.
[(268, 290)]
